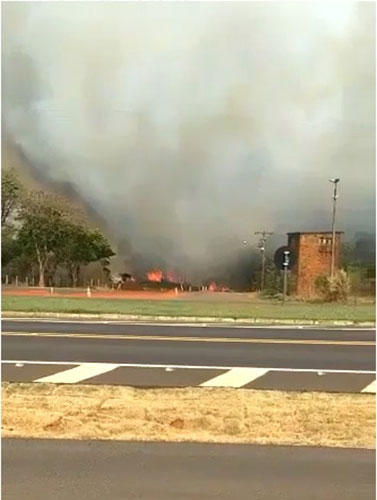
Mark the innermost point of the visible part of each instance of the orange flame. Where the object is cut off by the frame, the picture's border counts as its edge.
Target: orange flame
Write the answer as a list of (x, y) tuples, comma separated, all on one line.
[(155, 275), (214, 287)]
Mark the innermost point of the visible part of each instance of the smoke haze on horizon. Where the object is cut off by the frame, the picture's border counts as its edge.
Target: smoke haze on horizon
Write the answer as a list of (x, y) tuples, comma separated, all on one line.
[(188, 126)]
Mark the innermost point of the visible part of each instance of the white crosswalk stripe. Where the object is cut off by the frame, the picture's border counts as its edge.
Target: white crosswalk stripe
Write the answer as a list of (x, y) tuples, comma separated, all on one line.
[(237, 377), (371, 388), (71, 372), (79, 373)]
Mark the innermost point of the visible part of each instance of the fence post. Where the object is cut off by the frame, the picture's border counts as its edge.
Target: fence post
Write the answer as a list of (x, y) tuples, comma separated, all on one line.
[(6, 279), (16, 281)]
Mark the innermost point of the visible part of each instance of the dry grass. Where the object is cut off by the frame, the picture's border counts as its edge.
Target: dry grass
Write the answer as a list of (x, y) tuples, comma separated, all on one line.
[(188, 414)]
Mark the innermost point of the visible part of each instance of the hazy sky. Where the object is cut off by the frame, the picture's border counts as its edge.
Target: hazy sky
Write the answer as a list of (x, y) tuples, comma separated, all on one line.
[(188, 126)]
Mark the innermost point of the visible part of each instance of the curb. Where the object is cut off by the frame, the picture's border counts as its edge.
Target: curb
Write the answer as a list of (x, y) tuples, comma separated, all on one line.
[(186, 319)]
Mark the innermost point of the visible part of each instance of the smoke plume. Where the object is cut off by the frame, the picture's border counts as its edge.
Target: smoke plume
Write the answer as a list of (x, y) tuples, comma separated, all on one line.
[(188, 126)]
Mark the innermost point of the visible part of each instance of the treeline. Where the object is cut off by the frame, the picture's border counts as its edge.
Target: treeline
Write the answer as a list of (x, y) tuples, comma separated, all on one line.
[(43, 233)]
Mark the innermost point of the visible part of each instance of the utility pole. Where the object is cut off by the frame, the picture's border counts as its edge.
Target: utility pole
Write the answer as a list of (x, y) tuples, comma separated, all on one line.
[(262, 248), (335, 197)]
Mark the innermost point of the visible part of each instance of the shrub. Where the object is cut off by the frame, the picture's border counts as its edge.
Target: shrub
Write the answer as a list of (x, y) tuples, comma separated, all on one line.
[(273, 287), (334, 289)]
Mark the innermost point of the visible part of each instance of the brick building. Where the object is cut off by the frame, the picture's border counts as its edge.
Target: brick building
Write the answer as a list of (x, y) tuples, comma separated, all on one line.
[(312, 251)]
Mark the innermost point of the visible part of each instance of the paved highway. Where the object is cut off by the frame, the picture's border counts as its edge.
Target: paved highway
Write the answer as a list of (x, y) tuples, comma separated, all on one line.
[(66, 470), (189, 345), (185, 330), (186, 355)]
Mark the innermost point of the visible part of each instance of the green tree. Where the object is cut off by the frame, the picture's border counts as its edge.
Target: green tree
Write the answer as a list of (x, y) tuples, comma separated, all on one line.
[(10, 248), (274, 280), (11, 189), (47, 233), (44, 218), (81, 246), (347, 255)]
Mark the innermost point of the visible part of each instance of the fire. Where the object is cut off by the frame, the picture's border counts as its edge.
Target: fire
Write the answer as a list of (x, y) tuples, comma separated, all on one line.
[(214, 287), (155, 275)]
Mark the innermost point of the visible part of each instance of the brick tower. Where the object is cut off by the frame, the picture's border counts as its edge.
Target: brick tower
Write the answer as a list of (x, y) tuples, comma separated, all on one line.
[(312, 252)]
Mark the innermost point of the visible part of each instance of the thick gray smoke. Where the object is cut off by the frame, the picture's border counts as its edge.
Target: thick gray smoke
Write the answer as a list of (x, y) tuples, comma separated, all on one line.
[(188, 126)]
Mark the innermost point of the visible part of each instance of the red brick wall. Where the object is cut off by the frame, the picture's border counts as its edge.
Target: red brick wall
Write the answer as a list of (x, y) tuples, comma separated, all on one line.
[(313, 259)]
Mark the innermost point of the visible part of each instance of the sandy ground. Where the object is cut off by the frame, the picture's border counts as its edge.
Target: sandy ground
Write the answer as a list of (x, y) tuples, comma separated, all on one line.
[(105, 293), (98, 294), (188, 414)]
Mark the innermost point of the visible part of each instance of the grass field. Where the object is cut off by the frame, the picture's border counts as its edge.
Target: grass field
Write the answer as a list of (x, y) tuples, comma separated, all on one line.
[(263, 310), (188, 414)]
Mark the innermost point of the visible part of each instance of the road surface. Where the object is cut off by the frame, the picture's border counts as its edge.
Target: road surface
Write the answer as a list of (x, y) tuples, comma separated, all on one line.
[(276, 358), (67, 470)]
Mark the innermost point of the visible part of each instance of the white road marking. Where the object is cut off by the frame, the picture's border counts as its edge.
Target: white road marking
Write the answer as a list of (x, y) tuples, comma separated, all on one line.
[(219, 324), (159, 338), (192, 367), (237, 377), (371, 388), (78, 374)]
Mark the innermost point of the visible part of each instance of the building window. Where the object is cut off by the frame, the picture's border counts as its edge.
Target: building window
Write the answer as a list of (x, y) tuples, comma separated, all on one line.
[(325, 244), (325, 241)]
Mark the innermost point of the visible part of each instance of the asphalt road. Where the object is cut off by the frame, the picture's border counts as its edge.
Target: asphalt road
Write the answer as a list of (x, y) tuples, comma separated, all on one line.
[(184, 330), (188, 345), (67, 470)]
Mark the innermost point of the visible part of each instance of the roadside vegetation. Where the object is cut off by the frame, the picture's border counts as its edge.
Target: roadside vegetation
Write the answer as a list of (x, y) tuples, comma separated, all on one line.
[(188, 414), (351, 281), (190, 308), (42, 232)]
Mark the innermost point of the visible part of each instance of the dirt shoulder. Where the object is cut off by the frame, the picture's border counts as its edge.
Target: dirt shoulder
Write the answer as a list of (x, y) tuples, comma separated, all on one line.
[(188, 414)]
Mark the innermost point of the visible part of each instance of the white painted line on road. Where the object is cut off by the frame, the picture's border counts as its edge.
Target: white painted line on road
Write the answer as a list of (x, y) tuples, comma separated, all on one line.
[(371, 388), (237, 377), (192, 367), (78, 374), (169, 338), (188, 324)]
